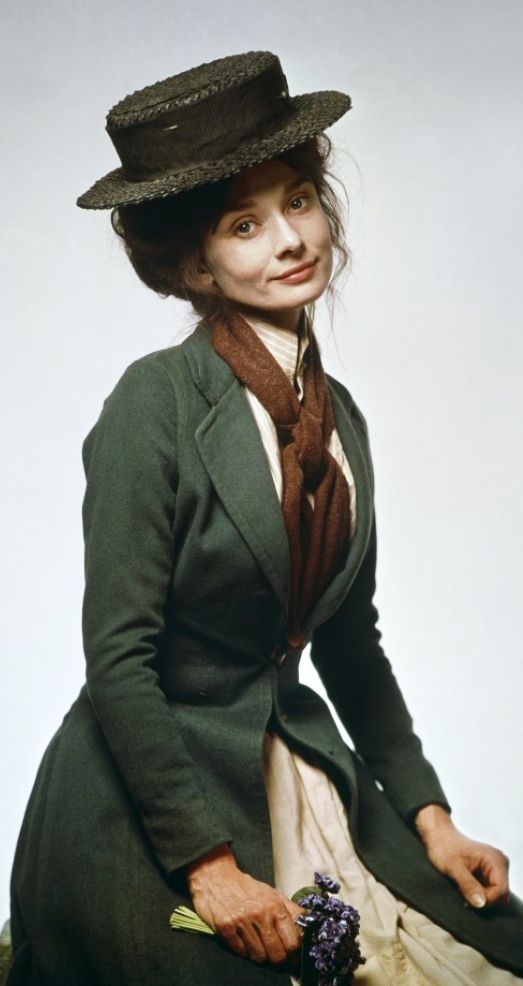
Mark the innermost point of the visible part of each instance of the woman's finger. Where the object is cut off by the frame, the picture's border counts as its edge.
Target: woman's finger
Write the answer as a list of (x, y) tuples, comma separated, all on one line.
[(275, 929), (472, 889), (494, 867), (288, 931), (254, 946), (226, 926), (235, 941), (273, 944)]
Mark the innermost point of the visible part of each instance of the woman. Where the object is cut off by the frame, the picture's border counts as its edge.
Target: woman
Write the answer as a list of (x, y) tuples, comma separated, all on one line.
[(228, 522)]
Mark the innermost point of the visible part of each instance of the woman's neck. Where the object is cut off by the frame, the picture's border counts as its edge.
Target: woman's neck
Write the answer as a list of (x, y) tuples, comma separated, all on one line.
[(291, 320)]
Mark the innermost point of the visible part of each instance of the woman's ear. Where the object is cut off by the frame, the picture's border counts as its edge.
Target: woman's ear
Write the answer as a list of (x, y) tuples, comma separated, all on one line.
[(205, 279), (203, 276)]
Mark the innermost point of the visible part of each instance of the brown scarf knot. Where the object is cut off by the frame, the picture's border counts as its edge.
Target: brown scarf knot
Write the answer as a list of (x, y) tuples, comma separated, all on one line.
[(304, 435), (318, 536)]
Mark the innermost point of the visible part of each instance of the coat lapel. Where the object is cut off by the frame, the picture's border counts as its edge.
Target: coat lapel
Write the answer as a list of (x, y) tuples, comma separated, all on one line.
[(232, 452)]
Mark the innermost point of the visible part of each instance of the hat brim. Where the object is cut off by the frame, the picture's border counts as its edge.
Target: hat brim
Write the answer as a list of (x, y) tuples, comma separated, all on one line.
[(312, 113)]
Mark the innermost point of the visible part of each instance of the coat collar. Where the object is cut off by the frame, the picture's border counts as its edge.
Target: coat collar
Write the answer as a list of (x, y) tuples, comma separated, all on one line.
[(232, 452)]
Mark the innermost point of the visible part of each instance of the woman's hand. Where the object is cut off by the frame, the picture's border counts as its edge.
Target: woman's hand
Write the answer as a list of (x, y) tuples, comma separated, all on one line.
[(254, 918), (480, 871)]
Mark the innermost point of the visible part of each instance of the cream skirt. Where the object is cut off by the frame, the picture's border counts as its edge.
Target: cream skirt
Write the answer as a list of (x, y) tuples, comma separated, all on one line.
[(310, 832)]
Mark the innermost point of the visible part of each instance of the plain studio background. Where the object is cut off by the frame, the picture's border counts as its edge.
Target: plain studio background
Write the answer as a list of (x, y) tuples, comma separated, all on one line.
[(428, 340)]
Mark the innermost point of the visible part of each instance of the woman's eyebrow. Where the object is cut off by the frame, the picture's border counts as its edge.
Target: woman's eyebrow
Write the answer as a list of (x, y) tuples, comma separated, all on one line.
[(249, 203)]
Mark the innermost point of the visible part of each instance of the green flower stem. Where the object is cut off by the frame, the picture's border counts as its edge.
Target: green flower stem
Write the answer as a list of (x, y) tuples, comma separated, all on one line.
[(183, 919)]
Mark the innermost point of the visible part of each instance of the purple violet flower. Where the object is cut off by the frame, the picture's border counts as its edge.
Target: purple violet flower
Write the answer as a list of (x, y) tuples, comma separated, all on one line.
[(332, 928), (326, 883)]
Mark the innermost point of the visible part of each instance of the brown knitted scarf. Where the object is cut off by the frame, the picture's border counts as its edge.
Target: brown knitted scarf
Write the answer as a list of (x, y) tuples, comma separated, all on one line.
[(318, 537)]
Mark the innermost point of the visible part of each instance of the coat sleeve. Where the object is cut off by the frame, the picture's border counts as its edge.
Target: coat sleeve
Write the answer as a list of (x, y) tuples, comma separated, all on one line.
[(359, 680), (128, 509)]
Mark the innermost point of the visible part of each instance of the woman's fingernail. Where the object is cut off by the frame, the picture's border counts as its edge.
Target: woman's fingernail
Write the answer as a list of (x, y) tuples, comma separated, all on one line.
[(477, 900)]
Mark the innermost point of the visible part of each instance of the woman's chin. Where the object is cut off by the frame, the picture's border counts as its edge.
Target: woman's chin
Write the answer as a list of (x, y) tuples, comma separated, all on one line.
[(297, 296)]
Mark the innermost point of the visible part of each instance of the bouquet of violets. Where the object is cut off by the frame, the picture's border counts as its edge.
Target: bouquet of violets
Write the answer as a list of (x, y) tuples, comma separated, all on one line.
[(330, 952)]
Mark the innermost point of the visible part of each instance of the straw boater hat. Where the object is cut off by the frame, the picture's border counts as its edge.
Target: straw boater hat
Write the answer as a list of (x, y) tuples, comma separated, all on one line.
[(205, 124)]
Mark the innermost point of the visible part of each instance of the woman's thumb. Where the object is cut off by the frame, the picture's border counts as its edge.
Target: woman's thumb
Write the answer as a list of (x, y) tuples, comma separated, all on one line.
[(471, 888)]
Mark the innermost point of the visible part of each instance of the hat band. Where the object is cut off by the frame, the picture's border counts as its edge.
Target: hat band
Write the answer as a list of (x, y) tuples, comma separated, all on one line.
[(206, 130)]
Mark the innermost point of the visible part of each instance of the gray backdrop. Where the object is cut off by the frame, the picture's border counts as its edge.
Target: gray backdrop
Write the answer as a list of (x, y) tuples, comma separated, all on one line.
[(428, 340)]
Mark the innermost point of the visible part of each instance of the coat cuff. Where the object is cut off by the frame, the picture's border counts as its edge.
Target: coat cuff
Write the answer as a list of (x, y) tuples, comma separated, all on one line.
[(414, 787), (175, 863)]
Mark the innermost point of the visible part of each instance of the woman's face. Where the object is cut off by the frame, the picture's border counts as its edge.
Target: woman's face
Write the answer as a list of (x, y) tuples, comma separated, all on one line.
[(271, 251)]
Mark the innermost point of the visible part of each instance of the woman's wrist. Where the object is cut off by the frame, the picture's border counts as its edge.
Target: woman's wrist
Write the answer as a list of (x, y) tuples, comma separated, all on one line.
[(220, 859), (432, 820)]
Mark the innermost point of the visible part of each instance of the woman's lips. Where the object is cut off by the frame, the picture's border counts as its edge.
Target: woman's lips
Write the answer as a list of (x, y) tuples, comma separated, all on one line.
[(295, 275)]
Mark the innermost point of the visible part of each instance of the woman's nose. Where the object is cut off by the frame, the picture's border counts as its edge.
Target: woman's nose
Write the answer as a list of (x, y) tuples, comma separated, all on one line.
[(286, 236)]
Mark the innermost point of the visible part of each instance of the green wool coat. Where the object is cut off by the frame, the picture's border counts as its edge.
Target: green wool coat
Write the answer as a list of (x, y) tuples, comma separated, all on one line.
[(160, 757)]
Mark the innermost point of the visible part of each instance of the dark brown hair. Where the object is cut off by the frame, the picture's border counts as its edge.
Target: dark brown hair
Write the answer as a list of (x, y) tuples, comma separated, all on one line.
[(162, 238)]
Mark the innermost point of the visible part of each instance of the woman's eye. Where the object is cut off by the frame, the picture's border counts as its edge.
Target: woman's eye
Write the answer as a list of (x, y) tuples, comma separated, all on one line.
[(298, 202), (244, 227)]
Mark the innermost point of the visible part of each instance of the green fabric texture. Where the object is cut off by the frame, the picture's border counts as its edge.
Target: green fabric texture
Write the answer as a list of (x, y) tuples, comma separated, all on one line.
[(160, 757)]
